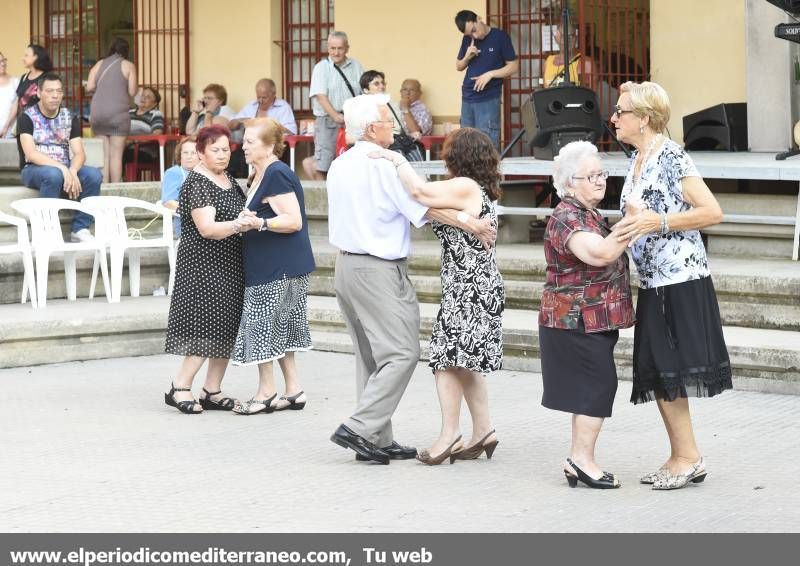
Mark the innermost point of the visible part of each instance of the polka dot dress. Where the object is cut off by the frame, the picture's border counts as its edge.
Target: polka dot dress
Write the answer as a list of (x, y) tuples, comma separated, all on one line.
[(274, 321), (207, 298)]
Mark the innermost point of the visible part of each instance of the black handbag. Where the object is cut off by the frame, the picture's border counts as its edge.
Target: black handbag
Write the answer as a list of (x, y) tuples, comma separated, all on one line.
[(405, 144)]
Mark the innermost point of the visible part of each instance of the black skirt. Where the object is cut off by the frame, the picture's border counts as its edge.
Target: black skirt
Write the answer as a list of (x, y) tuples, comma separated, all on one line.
[(679, 349), (578, 371)]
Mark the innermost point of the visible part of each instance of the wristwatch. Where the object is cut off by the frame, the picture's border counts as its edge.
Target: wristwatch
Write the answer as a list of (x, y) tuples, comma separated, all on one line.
[(264, 225)]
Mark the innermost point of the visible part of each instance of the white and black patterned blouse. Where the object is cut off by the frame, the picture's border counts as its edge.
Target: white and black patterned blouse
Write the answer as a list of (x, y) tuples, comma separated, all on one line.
[(677, 256)]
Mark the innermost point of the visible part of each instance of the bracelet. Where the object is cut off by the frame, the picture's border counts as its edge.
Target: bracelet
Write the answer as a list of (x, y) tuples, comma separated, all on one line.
[(664, 223), (462, 217), (236, 227)]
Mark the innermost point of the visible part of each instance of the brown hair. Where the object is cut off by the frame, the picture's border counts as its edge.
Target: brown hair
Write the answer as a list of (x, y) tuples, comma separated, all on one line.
[(219, 91), (179, 147), (270, 132), (468, 152)]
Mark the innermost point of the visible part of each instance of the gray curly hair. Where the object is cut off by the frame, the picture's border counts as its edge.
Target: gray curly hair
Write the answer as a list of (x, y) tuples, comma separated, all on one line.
[(567, 162)]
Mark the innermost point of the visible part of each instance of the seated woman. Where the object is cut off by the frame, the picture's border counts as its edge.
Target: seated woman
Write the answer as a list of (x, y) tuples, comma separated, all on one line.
[(211, 110), (586, 300), (146, 119), (187, 158), (374, 82)]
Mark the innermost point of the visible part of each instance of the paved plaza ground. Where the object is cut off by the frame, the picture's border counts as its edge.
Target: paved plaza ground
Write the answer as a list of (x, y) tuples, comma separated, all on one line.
[(90, 446)]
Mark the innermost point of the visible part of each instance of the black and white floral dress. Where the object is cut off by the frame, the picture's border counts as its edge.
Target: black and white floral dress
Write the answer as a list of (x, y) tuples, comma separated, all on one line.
[(468, 332)]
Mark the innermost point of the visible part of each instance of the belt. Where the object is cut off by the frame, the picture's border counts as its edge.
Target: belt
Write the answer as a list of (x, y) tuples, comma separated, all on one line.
[(345, 252)]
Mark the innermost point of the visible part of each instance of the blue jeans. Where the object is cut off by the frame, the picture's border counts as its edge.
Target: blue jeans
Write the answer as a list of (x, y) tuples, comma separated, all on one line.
[(49, 182), (485, 116)]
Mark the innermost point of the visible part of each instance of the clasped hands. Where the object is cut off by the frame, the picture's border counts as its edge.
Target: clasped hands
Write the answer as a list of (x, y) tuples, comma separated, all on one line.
[(638, 221), (247, 220), (72, 184)]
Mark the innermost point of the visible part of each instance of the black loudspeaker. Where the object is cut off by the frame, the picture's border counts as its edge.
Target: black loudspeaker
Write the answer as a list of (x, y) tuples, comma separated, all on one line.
[(555, 116), (722, 127), (791, 6)]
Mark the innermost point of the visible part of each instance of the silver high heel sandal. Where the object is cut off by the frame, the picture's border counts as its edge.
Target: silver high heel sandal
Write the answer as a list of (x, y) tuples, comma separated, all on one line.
[(696, 474)]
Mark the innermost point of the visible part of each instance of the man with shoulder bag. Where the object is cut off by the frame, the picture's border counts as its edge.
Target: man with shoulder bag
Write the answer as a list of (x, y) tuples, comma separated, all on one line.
[(331, 84)]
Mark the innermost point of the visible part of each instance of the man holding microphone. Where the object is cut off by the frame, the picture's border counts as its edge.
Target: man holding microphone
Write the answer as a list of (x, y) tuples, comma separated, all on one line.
[(488, 57)]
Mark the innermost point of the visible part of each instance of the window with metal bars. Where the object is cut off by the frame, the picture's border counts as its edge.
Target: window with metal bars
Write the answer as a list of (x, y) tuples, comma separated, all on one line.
[(77, 33), (306, 25), (613, 34)]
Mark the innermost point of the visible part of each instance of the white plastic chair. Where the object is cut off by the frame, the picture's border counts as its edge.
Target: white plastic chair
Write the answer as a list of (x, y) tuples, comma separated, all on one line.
[(112, 227), (23, 247), (46, 239)]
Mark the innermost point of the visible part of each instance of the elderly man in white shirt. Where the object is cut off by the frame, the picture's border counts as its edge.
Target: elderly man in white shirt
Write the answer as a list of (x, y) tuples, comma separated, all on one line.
[(369, 213)]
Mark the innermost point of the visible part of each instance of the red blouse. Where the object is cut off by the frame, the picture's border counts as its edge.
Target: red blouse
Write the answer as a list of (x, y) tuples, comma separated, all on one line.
[(573, 289)]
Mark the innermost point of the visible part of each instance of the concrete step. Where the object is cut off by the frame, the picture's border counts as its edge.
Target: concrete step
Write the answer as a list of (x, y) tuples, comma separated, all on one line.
[(763, 360), (751, 293)]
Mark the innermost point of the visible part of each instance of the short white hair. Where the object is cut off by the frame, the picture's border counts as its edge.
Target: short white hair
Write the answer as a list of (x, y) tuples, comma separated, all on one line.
[(567, 162), (361, 111), (339, 35)]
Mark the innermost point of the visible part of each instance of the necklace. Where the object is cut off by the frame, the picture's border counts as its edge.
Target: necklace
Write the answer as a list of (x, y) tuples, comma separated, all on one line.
[(257, 180), (638, 178)]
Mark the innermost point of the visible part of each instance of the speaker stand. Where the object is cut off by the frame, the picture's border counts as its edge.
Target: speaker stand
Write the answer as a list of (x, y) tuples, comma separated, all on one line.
[(513, 143), (783, 155)]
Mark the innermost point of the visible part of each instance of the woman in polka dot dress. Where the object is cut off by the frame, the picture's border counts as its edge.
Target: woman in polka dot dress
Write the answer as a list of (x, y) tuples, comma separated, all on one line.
[(209, 281), (277, 262)]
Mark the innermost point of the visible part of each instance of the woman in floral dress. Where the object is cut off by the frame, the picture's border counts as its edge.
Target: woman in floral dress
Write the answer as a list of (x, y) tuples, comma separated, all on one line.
[(467, 338)]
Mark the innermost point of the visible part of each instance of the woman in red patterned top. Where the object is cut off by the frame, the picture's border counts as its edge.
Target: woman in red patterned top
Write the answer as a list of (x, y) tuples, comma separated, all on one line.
[(586, 299)]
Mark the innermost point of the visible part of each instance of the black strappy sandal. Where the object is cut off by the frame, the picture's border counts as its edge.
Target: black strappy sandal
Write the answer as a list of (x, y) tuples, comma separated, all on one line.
[(292, 402), (224, 404), (186, 407)]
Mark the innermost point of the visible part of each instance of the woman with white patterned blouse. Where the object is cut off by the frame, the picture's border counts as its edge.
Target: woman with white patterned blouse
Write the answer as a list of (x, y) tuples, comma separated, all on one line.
[(679, 349)]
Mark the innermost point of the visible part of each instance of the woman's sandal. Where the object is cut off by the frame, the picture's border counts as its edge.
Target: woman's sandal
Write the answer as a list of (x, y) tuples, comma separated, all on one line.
[(224, 404), (245, 408), (292, 403), (186, 407)]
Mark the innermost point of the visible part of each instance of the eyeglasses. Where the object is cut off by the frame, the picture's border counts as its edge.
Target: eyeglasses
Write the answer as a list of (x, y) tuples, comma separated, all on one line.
[(618, 111), (593, 178), (383, 122)]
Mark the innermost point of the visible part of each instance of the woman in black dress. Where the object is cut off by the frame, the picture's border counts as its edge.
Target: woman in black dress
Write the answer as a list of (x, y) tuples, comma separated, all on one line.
[(467, 338), (209, 281)]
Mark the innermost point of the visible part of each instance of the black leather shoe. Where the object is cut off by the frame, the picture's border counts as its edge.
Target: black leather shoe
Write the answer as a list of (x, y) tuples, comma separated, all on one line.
[(346, 438), (395, 452)]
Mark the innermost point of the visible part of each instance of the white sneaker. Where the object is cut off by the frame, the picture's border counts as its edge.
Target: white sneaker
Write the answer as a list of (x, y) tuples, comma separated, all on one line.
[(82, 235)]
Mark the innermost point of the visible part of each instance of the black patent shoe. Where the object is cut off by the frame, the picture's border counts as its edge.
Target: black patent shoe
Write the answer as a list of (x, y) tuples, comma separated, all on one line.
[(607, 481), (346, 438), (395, 452)]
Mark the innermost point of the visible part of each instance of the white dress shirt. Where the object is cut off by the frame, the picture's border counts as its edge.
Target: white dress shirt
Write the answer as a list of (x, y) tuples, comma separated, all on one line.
[(280, 111), (368, 209)]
